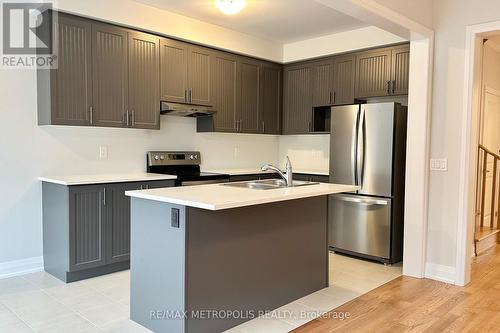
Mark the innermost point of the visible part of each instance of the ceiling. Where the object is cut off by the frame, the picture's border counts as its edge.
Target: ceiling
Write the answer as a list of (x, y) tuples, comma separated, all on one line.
[(283, 21)]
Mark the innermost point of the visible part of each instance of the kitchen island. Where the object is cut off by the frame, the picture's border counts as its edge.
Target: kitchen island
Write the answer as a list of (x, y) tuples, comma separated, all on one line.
[(207, 258)]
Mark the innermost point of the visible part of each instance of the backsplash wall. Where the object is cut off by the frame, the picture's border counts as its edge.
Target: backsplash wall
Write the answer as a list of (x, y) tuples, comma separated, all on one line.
[(307, 152)]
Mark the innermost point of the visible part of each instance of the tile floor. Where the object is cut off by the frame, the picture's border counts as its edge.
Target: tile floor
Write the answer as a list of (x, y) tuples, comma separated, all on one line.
[(38, 302)]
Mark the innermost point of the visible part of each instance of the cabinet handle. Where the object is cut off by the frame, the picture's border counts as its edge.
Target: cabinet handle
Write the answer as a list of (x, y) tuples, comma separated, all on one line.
[(186, 96), (190, 96), (241, 121), (310, 126), (334, 97), (388, 87), (127, 118), (104, 196), (132, 120), (393, 86), (331, 102), (263, 127), (91, 115)]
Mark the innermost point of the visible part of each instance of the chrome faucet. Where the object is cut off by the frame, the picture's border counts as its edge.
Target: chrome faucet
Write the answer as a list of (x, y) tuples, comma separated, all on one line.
[(287, 175)]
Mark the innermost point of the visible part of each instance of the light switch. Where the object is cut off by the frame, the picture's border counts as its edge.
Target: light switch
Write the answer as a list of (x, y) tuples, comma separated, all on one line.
[(439, 164)]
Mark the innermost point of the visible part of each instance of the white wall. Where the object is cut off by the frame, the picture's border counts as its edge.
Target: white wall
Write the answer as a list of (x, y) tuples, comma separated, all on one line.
[(338, 43), (450, 20)]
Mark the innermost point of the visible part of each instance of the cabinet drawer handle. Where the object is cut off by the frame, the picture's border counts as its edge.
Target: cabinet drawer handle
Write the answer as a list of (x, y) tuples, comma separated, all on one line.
[(91, 115), (393, 85)]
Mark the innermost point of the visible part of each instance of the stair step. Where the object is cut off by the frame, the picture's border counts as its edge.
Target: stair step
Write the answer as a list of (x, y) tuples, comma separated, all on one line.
[(484, 233)]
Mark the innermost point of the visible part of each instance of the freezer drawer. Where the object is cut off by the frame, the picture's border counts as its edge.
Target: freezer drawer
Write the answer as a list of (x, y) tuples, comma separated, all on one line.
[(360, 224)]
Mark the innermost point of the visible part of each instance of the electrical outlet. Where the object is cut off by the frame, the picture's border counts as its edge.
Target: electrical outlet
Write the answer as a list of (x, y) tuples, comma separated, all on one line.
[(439, 164), (103, 152)]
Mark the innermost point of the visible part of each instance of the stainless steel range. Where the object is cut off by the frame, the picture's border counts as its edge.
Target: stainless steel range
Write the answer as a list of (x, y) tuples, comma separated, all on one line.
[(185, 165)]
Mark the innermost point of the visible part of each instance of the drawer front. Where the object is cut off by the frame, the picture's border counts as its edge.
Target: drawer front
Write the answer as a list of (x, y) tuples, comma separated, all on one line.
[(360, 224)]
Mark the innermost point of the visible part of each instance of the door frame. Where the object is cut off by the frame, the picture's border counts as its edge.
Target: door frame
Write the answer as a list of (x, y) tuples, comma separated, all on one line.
[(470, 139)]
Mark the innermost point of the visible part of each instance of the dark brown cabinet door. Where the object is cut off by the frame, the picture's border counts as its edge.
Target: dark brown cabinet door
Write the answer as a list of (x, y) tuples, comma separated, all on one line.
[(199, 75), (110, 76), (271, 96), (400, 72), (249, 97), (323, 82), (88, 215), (144, 80), (373, 73), (71, 82), (173, 67), (343, 79), (225, 91), (297, 106)]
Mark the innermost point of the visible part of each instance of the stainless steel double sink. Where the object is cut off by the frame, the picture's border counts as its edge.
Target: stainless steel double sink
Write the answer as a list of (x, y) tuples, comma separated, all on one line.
[(268, 184)]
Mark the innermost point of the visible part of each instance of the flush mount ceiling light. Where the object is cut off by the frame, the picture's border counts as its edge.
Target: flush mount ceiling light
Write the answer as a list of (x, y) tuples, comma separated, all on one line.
[(230, 7)]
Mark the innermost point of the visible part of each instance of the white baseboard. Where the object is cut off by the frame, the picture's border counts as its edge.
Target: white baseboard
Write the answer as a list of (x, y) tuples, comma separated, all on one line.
[(441, 273), (20, 267)]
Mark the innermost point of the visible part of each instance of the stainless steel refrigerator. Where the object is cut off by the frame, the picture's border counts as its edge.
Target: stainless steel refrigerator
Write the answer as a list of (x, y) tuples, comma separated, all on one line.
[(368, 149)]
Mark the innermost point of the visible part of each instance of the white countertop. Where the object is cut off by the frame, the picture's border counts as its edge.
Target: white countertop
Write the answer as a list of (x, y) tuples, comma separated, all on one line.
[(104, 178), (217, 196), (252, 171)]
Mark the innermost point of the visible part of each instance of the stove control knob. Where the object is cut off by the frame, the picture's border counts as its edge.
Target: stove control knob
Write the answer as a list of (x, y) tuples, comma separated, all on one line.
[(162, 157), (195, 157), (191, 157), (157, 157)]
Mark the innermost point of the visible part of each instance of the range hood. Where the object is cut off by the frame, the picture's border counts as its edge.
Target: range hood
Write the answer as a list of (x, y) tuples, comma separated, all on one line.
[(185, 110)]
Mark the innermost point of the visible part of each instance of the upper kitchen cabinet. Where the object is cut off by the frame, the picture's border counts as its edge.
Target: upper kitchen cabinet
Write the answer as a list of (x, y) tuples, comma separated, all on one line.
[(297, 106), (373, 73), (199, 75), (382, 72), (144, 80), (185, 73), (65, 93), (344, 72), (109, 76), (106, 76), (225, 92), (400, 71), (173, 67), (323, 79), (248, 114), (271, 98)]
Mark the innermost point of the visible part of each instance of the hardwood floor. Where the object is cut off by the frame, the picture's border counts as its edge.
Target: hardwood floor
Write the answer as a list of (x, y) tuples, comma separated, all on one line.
[(420, 305)]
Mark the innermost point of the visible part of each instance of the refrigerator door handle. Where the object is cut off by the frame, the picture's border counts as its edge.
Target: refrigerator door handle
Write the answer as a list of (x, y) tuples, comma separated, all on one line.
[(354, 151), (360, 148), (364, 201)]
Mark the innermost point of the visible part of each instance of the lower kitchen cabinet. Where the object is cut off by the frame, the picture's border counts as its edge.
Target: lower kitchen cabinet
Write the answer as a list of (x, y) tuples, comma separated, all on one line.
[(311, 178), (86, 228)]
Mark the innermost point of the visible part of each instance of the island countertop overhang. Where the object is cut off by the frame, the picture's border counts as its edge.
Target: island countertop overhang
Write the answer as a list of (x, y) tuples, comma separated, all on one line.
[(219, 197)]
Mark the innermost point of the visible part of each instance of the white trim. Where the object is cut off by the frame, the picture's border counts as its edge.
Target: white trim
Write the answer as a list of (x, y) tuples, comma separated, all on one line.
[(20, 267), (446, 274), (468, 156)]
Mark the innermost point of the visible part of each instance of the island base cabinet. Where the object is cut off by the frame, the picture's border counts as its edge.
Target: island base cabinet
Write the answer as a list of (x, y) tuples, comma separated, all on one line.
[(244, 260), (86, 228)]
